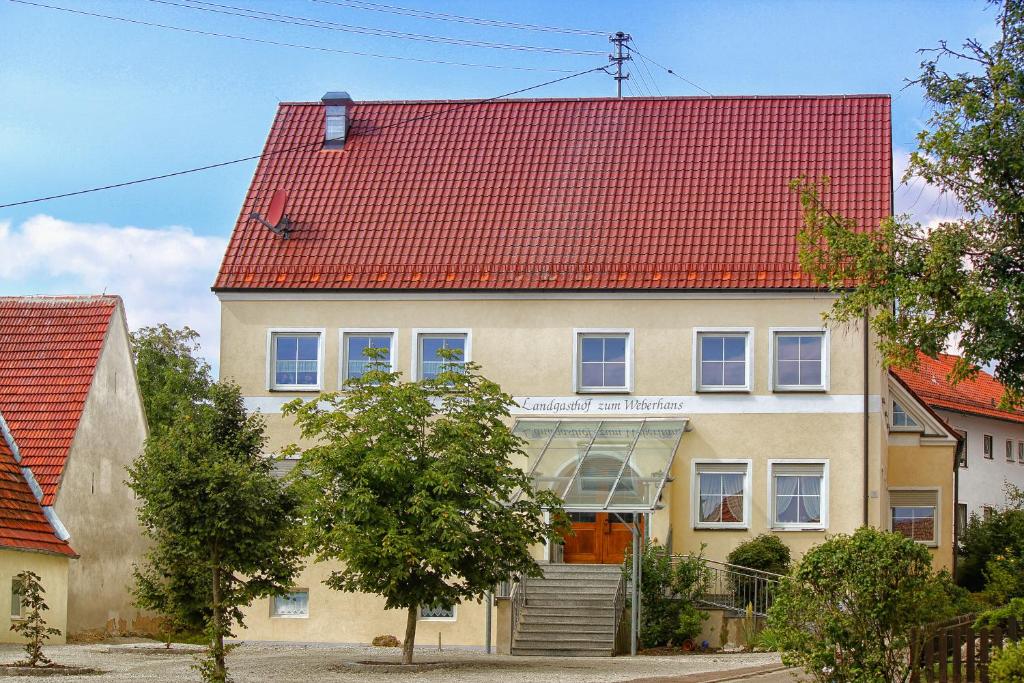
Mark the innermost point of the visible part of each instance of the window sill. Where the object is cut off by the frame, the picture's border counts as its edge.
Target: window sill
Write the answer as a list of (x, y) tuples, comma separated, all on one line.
[(303, 388), (801, 390), (797, 528), (721, 527), (724, 390), (289, 616), (450, 620), (604, 390)]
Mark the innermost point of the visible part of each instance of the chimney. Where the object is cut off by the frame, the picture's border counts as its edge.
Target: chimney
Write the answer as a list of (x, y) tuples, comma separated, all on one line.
[(338, 108)]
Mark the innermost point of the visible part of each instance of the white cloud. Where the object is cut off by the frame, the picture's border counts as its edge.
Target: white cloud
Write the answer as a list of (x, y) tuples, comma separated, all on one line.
[(163, 274), (925, 203)]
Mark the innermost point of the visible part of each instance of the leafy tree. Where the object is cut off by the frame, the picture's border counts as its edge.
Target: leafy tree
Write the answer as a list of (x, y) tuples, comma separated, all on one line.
[(992, 551), (962, 277), (411, 487), (846, 612), (33, 626), (224, 529), (669, 591), (171, 376)]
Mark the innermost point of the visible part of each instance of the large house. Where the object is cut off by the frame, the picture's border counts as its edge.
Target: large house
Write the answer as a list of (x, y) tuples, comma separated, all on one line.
[(72, 420), (993, 453), (626, 269)]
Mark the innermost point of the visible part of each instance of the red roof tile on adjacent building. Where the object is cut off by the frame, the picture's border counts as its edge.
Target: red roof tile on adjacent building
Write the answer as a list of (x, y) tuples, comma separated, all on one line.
[(49, 347), (23, 526), (645, 193), (977, 396)]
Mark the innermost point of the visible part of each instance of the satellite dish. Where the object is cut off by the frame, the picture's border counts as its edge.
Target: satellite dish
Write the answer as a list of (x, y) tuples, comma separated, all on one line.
[(276, 221)]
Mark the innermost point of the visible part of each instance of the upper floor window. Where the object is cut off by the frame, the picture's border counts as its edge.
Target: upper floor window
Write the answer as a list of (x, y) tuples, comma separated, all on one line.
[(987, 446), (723, 360), (1020, 452), (1009, 451), (799, 495), (914, 515), (721, 494), (962, 447), (603, 361), (356, 361), (296, 360), (428, 346), (800, 359), (900, 417)]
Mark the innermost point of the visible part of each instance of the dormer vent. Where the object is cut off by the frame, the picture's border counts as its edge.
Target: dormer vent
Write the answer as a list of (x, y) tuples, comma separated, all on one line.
[(338, 112)]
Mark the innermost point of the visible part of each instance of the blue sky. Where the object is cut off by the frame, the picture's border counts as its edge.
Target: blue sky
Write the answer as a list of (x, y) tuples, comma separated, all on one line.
[(90, 101)]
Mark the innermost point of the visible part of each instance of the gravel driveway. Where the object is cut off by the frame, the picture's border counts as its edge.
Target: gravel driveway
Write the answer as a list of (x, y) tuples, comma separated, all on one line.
[(284, 662)]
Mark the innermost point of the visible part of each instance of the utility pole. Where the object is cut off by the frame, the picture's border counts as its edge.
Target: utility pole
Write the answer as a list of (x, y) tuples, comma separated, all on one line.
[(619, 39)]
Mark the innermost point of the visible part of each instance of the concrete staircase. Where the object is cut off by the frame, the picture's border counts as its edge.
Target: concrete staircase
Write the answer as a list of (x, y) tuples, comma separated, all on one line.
[(570, 612)]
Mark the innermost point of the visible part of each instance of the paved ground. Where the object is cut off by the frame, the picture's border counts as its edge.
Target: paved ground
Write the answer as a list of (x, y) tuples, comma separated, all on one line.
[(285, 663)]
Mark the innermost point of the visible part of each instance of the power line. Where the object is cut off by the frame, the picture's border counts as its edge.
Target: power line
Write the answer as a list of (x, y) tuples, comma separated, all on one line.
[(301, 46), (266, 154), (644, 67), (248, 13), (668, 70), (441, 16)]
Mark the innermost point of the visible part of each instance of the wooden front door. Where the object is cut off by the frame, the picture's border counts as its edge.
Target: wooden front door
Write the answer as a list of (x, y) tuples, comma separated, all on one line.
[(599, 538)]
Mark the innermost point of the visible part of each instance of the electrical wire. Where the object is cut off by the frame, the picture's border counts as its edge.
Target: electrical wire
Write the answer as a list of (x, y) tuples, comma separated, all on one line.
[(646, 69), (441, 16), (301, 46), (318, 143), (668, 70), (260, 15)]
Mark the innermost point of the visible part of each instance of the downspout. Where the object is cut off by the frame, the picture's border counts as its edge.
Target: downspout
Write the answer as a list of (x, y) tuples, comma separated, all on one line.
[(866, 444), (960, 443)]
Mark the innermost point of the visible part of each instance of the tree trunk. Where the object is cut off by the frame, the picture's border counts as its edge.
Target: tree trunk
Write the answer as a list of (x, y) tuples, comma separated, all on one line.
[(219, 670), (410, 635)]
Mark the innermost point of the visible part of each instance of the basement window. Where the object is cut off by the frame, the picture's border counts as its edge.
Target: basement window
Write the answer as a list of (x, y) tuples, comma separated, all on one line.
[(294, 605), (438, 612)]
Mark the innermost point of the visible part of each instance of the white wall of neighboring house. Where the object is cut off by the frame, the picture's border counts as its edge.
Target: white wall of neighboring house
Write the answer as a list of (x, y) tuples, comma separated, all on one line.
[(982, 480)]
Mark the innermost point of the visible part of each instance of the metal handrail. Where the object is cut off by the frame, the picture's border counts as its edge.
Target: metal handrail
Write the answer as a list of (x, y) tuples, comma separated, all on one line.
[(619, 605), (732, 587), (517, 598)]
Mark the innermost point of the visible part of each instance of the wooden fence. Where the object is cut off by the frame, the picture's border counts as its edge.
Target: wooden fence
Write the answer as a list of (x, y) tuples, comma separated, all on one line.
[(954, 651)]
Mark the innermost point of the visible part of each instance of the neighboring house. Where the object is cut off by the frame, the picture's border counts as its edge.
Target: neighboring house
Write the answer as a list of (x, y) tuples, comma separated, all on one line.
[(626, 269), (994, 438), (74, 418), (29, 541)]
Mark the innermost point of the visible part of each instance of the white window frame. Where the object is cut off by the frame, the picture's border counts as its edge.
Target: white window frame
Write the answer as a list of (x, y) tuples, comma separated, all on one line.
[(417, 332), (364, 331), (321, 334), (826, 345), (826, 498), (695, 522), (988, 447), (938, 511), (916, 427), (454, 617), (1020, 452), (274, 615), (577, 359), (1011, 451), (698, 332), (20, 616)]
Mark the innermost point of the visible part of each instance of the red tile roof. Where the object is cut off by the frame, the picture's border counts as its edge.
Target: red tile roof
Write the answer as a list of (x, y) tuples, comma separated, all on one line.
[(23, 526), (645, 193), (49, 347), (977, 396)]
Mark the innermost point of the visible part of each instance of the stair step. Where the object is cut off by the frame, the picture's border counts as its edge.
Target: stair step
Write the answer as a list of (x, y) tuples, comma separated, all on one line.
[(531, 652), (554, 600), (543, 639), (566, 625), (570, 590)]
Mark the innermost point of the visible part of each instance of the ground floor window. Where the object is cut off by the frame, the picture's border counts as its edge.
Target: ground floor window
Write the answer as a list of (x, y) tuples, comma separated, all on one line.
[(294, 604), (914, 514), (721, 494), (961, 519), (17, 599), (799, 492), (438, 612)]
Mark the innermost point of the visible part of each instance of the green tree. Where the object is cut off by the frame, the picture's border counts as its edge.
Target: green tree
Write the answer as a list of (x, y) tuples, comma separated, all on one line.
[(962, 277), (32, 626), (171, 376), (846, 612), (992, 551), (413, 488), (224, 529)]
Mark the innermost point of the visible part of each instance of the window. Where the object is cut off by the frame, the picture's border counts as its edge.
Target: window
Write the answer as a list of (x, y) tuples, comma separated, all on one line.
[(914, 514), (428, 345), (799, 495), (17, 597), (354, 343), (987, 512), (900, 418), (296, 360), (603, 361), (1020, 452), (1009, 451), (962, 448), (290, 605), (987, 449), (437, 613), (720, 494), (961, 519), (799, 360), (723, 361)]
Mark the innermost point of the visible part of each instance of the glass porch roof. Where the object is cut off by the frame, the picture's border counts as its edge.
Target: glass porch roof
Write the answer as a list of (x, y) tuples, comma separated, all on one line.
[(616, 465)]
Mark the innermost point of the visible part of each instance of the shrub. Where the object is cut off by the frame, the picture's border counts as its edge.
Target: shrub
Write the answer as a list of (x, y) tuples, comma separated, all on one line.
[(668, 611), (992, 551), (765, 553), (33, 626), (1001, 615), (1008, 664), (386, 641), (846, 611)]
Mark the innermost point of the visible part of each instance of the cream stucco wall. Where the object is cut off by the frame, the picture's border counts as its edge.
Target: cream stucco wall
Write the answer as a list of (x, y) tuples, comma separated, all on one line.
[(525, 343), (53, 572), (94, 503)]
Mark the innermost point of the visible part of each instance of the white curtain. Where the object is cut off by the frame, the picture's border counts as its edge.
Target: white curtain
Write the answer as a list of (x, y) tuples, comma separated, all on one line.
[(785, 498), (810, 487)]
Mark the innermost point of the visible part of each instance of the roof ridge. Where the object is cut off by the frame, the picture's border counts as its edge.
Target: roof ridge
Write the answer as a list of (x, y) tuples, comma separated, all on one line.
[(669, 98)]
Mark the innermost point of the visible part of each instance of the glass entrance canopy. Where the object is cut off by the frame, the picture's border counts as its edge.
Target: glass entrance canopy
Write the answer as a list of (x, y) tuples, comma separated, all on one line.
[(617, 465)]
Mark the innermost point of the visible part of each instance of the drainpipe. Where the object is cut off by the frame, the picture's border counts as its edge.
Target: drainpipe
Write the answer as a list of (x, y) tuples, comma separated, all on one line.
[(956, 501), (866, 445), (488, 598)]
